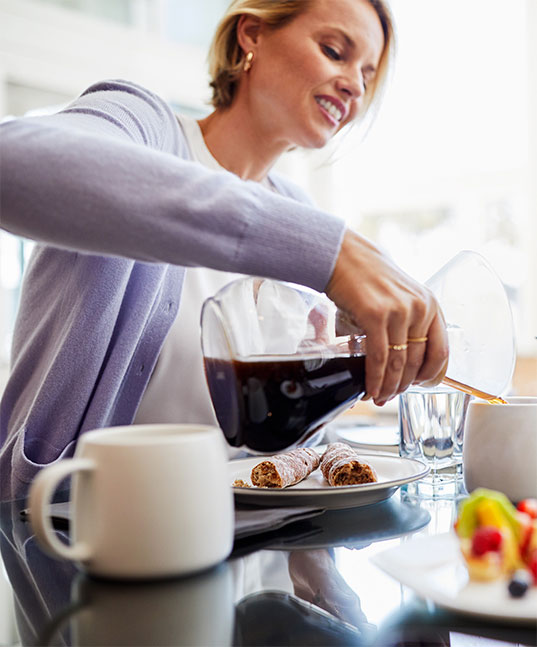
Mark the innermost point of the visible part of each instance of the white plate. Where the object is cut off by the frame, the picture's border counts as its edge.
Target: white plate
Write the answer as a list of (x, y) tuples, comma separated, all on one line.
[(392, 472), (434, 568)]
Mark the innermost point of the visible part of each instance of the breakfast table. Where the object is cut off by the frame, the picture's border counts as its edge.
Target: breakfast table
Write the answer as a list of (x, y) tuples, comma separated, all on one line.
[(300, 576)]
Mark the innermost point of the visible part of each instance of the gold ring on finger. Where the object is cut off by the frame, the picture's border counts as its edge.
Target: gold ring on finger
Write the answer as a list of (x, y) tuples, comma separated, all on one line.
[(416, 340), (397, 346)]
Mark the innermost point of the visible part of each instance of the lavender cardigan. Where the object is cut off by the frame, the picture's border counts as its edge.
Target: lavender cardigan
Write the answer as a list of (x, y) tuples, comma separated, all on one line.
[(109, 191)]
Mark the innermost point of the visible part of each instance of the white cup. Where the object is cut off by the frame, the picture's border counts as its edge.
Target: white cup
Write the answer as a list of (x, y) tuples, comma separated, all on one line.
[(500, 447), (147, 501)]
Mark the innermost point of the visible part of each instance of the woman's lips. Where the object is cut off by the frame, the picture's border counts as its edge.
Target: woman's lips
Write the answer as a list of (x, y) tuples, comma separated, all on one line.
[(333, 109)]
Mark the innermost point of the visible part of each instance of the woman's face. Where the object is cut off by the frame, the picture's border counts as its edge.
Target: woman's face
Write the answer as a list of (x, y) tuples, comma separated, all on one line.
[(309, 77)]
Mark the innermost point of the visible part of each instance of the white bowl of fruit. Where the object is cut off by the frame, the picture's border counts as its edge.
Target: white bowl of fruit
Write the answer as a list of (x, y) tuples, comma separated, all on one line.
[(498, 540)]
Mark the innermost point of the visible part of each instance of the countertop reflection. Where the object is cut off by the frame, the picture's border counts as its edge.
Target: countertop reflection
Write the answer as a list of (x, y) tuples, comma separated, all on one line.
[(309, 583)]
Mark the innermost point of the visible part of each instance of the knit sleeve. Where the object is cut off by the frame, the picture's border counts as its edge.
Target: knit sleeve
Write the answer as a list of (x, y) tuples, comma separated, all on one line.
[(110, 174)]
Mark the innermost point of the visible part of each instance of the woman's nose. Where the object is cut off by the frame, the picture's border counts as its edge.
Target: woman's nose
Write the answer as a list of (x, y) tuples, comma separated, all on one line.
[(352, 86)]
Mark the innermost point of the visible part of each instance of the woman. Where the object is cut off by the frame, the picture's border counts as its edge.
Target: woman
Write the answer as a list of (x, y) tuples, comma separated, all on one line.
[(177, 390), (119, 203)]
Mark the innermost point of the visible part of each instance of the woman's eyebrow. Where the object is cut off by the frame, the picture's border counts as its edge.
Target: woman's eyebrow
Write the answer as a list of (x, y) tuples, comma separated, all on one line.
[(348, 40), (349, 43)]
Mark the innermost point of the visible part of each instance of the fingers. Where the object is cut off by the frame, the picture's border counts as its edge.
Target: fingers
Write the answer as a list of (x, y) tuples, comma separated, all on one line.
[(397, 359), (414, 361), (318, 318), (402, 321), (376, 359), (345, 324), (434, 366), (398, 354), (421, 359)]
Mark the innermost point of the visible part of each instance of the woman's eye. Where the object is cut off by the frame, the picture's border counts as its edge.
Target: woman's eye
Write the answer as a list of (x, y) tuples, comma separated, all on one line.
[(367, 80), (331, 53)]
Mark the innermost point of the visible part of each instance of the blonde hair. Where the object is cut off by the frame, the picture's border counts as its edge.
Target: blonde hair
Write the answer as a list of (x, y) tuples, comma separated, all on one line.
[(226, 57)]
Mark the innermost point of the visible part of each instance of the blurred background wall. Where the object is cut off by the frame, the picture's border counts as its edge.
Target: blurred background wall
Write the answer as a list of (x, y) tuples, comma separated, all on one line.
[(449, 164)]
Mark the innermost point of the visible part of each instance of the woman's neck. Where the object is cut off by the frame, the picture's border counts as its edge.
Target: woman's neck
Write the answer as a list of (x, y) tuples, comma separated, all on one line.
[(239, 144)]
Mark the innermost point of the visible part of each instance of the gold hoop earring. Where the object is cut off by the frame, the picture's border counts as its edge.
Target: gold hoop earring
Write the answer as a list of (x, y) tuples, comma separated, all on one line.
[(248, 61)]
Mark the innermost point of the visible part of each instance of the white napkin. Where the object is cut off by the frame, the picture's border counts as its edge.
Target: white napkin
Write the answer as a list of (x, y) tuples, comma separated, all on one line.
[(249, 520), (252, 521)]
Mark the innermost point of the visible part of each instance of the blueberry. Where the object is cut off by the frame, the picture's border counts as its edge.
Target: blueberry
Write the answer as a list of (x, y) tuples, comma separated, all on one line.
[(520, 583)]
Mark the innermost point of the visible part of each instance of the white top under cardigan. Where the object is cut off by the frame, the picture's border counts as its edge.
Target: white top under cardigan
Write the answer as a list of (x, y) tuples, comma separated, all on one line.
[(177, 390)]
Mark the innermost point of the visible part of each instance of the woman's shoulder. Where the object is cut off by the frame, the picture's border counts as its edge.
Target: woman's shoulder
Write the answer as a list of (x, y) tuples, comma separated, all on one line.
[(124, 86), (145, 115)]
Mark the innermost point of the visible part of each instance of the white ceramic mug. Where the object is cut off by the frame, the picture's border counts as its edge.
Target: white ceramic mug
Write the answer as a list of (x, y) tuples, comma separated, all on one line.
[(500, 447), (147, 501)]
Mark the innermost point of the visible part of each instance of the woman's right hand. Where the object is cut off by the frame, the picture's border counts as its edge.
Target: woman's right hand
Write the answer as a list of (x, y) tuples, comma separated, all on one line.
[(391, 309)]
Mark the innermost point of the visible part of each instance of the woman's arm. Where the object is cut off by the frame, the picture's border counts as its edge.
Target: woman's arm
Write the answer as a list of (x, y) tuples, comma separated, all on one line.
[(106, 176), (111, 175)]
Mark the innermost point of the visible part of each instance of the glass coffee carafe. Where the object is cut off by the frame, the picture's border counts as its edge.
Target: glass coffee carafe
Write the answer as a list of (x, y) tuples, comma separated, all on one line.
[(276, 367), (280, 362), (479, 322)]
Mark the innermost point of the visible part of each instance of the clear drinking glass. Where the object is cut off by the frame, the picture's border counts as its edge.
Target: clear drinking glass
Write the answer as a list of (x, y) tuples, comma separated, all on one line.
[(431, 424)]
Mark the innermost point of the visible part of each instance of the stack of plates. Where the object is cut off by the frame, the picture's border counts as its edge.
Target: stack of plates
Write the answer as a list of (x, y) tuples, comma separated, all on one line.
[(363, 435)]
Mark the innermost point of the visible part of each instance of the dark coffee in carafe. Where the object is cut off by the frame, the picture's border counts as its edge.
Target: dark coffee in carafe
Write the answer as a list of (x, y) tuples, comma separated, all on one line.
[(271, 402)]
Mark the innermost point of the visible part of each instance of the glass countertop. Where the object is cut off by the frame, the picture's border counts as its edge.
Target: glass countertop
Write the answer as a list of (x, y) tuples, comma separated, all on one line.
[(312, 582)]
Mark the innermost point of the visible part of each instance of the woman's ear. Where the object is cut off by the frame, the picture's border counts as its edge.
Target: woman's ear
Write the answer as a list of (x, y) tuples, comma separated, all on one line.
[(248, 29)]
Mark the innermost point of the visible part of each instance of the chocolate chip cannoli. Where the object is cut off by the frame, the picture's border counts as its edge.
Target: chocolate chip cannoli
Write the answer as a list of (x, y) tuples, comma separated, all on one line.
[(285, 469), (341, 465)]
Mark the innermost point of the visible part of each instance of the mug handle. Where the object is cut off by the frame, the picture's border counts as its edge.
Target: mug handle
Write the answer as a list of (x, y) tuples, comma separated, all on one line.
[(39, 500)]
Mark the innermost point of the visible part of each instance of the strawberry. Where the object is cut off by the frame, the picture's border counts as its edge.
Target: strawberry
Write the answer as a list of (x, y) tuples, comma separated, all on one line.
[(529, 506), (486, 539)]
